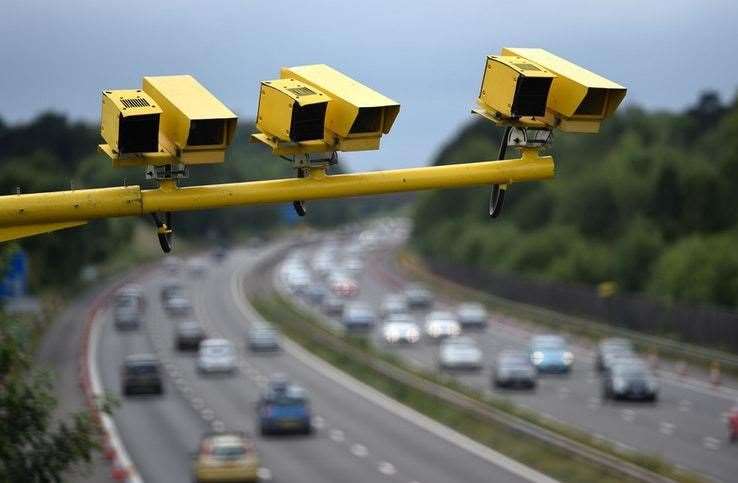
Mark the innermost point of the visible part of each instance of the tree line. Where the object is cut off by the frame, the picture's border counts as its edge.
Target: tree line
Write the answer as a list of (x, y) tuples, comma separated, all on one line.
[(650, 203)]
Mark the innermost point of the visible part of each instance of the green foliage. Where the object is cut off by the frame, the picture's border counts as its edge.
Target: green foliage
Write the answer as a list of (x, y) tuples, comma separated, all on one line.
[(635, 203), (34, 445)]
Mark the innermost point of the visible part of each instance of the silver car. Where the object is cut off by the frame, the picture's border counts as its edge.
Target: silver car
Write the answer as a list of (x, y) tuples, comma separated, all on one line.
[(358, 317), (216, 355), (472, 315), (393, 304), (441, 324), (459, 353), (514, 369)]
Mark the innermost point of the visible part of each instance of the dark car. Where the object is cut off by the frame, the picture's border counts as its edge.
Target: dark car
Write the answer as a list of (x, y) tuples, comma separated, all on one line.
[(332, 305), (630, 380), (610, 350), (418, 297), (284, 408), (188, 334), (141, 374), (126, 317), (171, 290), (263, 339), (358, 318), (514, 369), (315, 294)]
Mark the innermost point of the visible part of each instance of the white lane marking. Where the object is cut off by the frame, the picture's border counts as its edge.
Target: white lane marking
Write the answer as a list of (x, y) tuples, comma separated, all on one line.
[(385, 402), (198, 403), (564, 392), (711, 443), (359, 450), (318, 422), (207, 414), (667, 429), (624, 448), (218, 426), (337, 435), (628, 415), (685, 405), (386, 468), (594, 403), (264, 473)]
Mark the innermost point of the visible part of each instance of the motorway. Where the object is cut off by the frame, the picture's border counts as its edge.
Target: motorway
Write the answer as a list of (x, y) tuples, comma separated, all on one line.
[(360, 436), (686, 427)]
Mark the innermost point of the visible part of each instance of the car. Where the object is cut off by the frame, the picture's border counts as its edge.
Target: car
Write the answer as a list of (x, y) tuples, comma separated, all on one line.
[(188, 334), (610, 350), (513, 369), (130, 295), (418, 297), (178, 306), (141, 374), (171, 264), (393, 304), (315, 294), (284, 408), (459, 353), (440, 324), (342, 285), (263, 339), (226, 456), (197, 267), (297, 280), (332, 305), (629, 379), (170, 290), (219, 254), (400, 329), (126, 317), (358, 317), (472, 315), (550, 354), (216, 356)]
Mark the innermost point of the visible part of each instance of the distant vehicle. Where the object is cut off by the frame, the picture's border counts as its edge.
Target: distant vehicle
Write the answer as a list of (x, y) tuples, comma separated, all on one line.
[(178, 306), (170, 290), (284, 408), (315, 294), (188, 334), (344, 286), (358, 317), (130, 295), (226, 456), (171, 264), (126, 317), (216, 355), (323, 263), (353, 265), (393, 304), (197, 267), (418, 297), (219, 254), (263, 339), (550, 354), (399, 329), (298, 280), (332, 305), (441, 324), (472, 315), (141, 374), (513, 369), (628, 380), (610, 350), (459, 353), (733, 424)]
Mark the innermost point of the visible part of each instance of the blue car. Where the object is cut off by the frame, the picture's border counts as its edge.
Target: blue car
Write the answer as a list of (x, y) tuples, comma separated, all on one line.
[(284, 409), (550, 354)]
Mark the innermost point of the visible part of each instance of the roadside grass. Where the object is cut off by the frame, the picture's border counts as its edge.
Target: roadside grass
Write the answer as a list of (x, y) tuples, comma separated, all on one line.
[(560, 464), (586, 329)]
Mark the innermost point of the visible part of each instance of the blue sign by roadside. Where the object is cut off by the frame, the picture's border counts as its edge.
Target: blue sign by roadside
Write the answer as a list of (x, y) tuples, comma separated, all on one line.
[(14, 282)]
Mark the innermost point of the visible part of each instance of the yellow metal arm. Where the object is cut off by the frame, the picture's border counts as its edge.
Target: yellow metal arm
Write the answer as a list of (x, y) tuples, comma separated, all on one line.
[(29, 214)]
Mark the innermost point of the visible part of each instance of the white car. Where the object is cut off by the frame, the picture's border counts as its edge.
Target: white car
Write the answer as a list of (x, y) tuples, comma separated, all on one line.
[(472, 314), (393, 304), (459, 353), (400, 329), (353, 265), (440, 324), (216, 355)]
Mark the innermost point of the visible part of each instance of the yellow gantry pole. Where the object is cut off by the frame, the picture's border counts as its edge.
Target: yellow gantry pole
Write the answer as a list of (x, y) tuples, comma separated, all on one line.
[(28, 214)]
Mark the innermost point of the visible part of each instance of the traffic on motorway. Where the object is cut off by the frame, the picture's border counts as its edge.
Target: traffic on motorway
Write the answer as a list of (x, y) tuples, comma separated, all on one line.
[(607, 389), (209, 392)]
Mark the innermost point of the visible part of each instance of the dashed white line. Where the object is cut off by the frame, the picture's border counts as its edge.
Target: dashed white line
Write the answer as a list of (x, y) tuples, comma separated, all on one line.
[(337, 435), (207, 414), (218, 426), (264, 473), (667, 429), (386, 468), (318, 422), (711, 443), (628, 415), (359, 450)]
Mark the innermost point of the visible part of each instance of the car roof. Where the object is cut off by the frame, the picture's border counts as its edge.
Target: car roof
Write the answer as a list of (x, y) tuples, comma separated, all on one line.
[(135, 359), (212, 342)]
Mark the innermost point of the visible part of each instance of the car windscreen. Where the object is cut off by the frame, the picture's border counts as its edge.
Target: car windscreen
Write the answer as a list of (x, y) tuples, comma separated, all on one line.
[(142, 369), (217, 350), (229, 452)]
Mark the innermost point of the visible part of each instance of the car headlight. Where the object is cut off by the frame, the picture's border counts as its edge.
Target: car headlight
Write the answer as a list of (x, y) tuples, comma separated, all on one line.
[(568, 358), (619, 384), (537, 357), (652, 385)]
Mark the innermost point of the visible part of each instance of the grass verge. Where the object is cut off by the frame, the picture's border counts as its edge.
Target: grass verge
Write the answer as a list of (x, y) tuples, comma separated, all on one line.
[(341, 352)]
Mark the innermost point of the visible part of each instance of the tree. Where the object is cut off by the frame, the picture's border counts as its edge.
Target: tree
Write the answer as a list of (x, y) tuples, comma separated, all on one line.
[(34, 447)]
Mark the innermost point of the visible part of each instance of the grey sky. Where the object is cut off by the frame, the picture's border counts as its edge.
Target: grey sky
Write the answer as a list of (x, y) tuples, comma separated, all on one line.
[(428, 55)]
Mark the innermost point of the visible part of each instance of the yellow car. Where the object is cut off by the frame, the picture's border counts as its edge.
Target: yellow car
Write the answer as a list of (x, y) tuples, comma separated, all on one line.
[(226, 457)]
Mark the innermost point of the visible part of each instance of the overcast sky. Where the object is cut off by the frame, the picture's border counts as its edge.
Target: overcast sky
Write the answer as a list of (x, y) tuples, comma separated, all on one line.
[(428, 55)]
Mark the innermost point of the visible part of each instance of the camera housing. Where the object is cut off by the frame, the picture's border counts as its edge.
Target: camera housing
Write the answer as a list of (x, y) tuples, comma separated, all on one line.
[(129, 121), (291, 111), (195, 127), (578, 100)]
